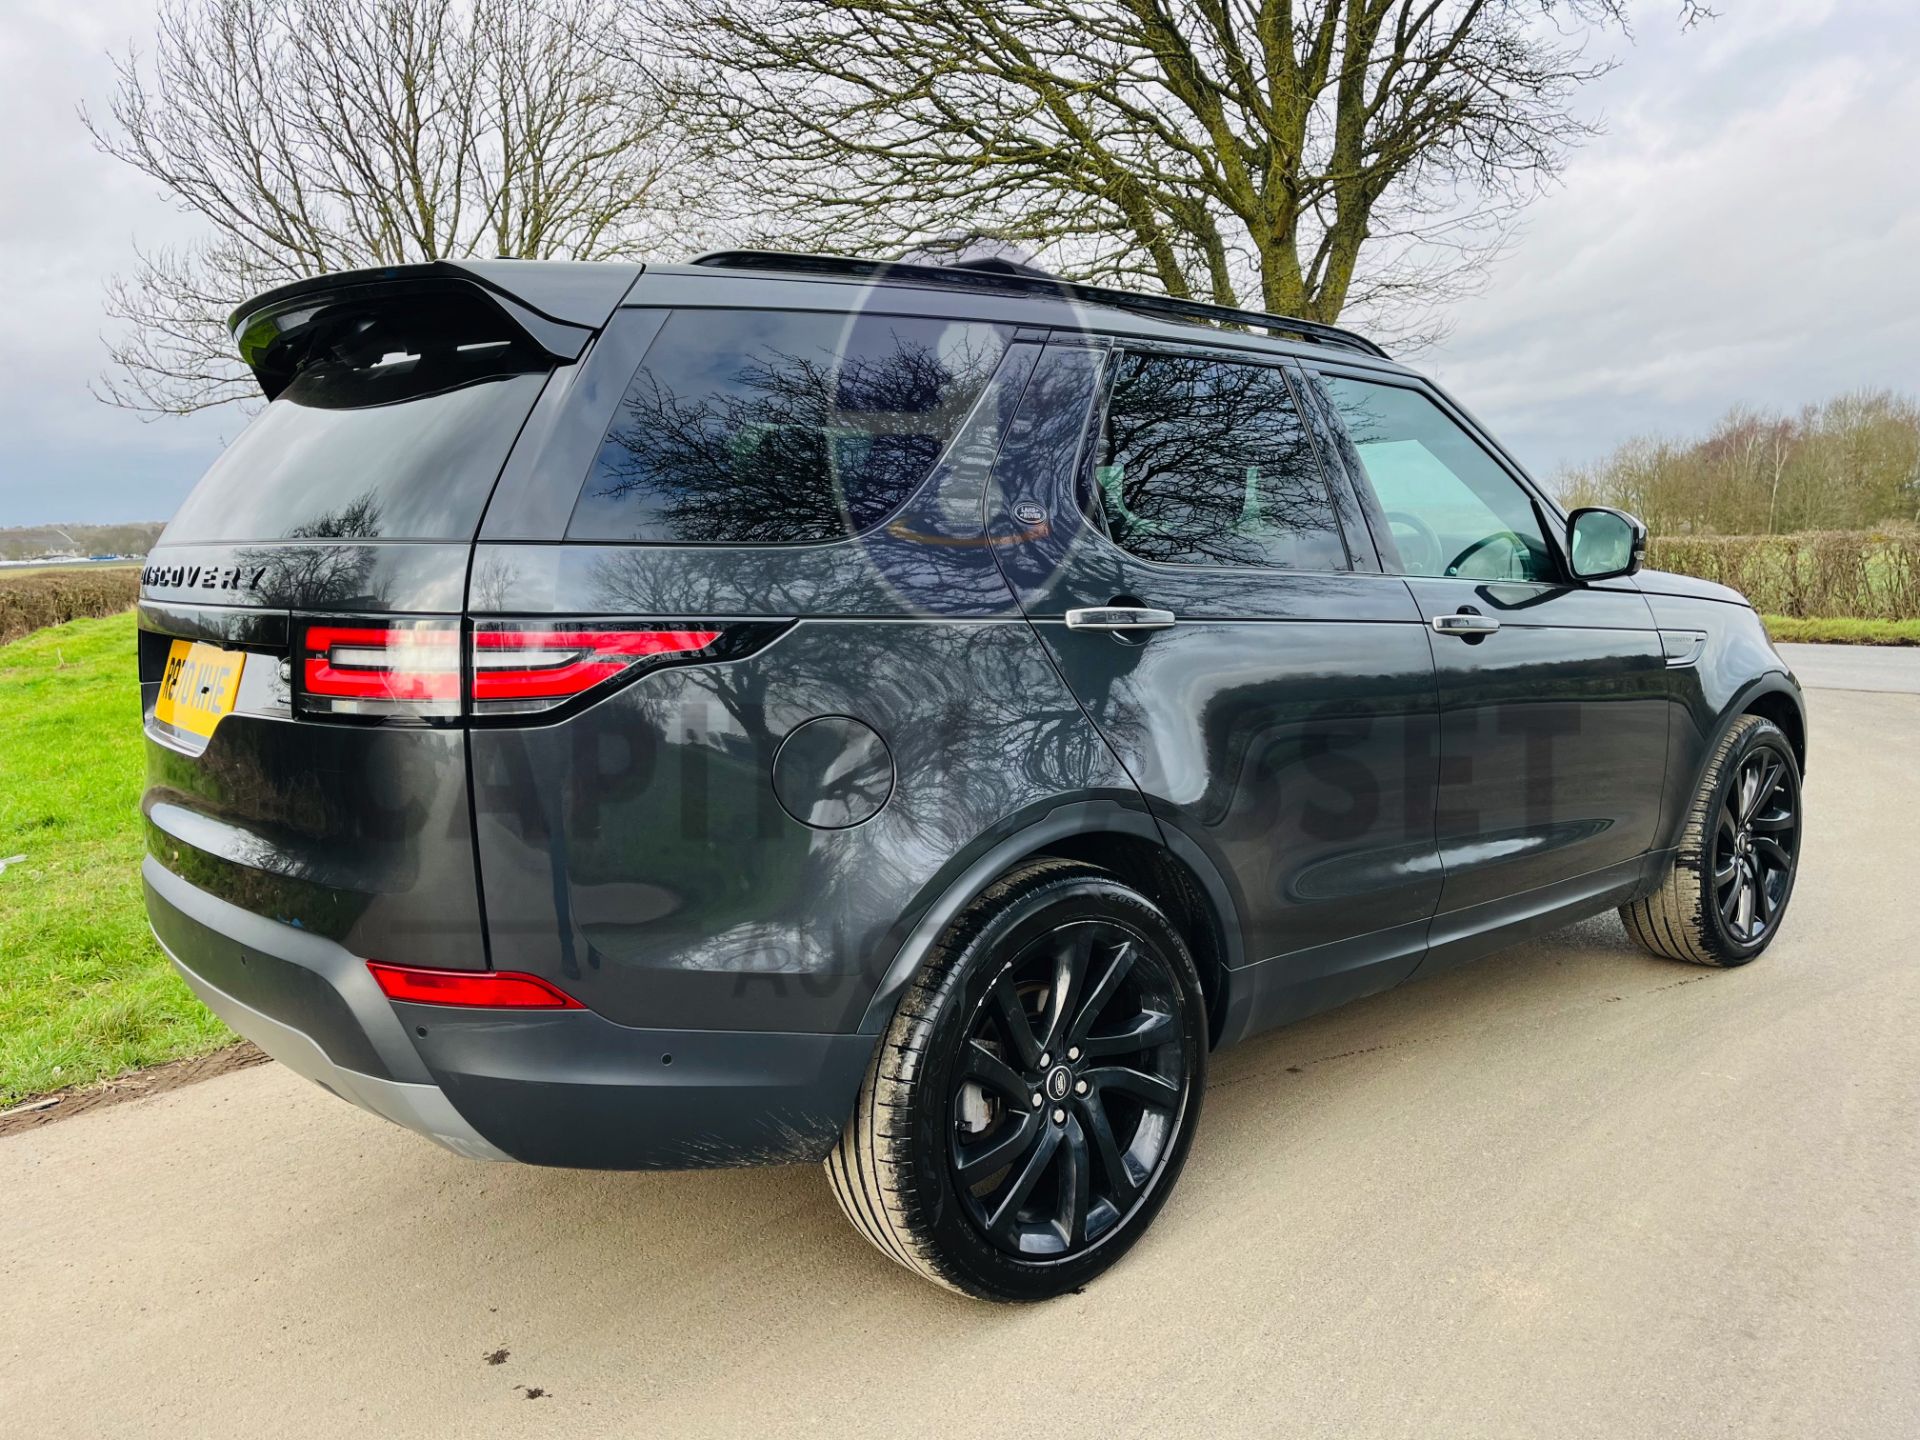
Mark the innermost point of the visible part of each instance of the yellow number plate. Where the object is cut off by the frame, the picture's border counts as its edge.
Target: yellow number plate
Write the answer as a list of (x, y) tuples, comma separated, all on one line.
[(198, 686)]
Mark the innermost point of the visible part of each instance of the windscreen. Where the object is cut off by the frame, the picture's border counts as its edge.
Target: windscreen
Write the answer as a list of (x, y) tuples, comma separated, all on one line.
[(394, 426)]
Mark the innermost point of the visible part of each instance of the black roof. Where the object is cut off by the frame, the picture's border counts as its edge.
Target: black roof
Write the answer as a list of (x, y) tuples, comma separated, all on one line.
[(1003, 277)]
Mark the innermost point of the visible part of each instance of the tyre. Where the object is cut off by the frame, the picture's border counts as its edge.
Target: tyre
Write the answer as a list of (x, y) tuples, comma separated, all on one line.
[(1722, 901), (1036, 1093)]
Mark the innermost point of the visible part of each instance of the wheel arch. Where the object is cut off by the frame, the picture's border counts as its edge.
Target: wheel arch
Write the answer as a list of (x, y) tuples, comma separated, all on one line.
[(1163, 865), (1779, 702)]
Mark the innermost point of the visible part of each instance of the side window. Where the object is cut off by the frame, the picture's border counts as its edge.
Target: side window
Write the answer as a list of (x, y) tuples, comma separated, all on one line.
[(1452, 509), (1207, 462), (773, 427)]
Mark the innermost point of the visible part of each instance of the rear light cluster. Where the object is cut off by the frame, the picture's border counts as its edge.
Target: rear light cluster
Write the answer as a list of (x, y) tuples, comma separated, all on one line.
[(420, 669)]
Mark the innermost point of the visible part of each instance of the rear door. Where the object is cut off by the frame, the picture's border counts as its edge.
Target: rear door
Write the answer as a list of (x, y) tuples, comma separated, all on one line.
[(1280, 716), (1552, 691), (300, 621)]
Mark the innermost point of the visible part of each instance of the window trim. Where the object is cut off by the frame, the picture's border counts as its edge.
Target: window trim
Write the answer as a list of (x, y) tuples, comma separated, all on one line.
[(1086, 490), (1547, 512)]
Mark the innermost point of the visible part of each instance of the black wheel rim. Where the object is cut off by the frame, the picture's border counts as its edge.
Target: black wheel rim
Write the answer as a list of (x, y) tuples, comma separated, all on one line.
[(1756, 844), (1070, 1091)]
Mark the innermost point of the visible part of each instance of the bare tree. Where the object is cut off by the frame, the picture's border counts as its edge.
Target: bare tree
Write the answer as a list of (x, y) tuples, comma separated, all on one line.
[(1310, 156), (316, 135)]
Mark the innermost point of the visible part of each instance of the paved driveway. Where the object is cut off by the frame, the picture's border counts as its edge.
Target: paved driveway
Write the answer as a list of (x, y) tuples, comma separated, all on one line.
[(1891, 669), (1569, 1191)]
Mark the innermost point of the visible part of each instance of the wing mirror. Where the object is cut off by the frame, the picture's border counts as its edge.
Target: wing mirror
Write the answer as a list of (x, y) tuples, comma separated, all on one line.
[(1605, 543)]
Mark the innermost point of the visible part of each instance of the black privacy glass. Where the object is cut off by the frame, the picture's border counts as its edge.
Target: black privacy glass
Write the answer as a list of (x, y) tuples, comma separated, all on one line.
[(394, 428), (1206, 462), (768, 427)]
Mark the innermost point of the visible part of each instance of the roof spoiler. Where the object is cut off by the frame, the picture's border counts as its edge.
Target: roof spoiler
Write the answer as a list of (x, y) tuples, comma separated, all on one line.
[(557, 305)]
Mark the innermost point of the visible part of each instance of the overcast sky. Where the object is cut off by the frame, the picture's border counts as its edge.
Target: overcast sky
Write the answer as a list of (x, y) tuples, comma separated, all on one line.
[(1745, 231)]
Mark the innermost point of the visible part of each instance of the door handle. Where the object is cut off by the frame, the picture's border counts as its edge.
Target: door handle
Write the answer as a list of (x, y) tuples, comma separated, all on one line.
[(1467, 627), (1122, 618)]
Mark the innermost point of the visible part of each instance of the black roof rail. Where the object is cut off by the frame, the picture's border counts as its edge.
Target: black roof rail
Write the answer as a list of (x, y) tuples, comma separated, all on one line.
[(1025, 280)]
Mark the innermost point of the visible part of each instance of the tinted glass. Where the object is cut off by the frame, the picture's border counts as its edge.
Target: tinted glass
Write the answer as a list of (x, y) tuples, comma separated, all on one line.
[(394, 428), (1206, 462), (1452, 509), (758, 427)]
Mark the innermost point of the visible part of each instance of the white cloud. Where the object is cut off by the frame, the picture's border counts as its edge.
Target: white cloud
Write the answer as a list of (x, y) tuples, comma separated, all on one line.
[(1745, 237)]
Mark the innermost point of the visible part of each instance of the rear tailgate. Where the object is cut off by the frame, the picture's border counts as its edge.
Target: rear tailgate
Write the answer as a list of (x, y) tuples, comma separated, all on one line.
[(307, 762)]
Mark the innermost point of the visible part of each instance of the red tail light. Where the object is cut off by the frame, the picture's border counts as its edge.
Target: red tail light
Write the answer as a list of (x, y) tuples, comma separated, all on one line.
[(419, 670), (486, 989), (390, 668), (522, 668)]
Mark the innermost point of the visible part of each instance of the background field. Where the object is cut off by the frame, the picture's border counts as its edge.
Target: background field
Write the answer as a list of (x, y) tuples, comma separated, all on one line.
[(84, 991)]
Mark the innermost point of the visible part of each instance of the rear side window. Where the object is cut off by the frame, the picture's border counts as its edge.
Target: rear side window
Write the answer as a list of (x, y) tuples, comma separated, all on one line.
[(394, 427), (771, 427), (1207, 462)]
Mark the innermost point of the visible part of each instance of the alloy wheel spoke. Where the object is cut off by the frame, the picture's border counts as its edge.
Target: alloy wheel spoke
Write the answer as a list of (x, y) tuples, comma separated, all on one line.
[(989, 1069), (1035, 1165), (1150, 1090), (1076, 1184), (1724, 875), (1146, 1030), (1773, 852), (1730, 902), (1744, 918), (1069, 977), (1763, 901), (1774, 821), (1103, 991), (974, 1163), (1768, 782), (1014, 1020), (1121, 1181)]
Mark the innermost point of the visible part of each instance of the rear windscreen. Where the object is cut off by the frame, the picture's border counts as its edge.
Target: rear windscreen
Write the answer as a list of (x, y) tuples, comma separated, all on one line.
[(394, 427), (772, 427)]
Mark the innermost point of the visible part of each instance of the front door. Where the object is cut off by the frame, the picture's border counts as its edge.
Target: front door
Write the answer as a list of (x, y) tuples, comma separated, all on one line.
[(1553, 693), (1216, 606)]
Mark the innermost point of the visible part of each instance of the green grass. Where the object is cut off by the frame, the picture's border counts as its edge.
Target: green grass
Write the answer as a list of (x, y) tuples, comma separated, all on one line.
[(84, 991), (1785, 629)]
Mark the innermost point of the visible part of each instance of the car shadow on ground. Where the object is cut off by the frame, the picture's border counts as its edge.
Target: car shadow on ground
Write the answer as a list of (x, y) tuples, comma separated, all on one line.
[(780, 1229)]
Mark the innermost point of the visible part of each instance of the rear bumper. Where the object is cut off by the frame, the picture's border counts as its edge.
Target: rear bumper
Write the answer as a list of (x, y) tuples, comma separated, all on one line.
[(546, 1087)]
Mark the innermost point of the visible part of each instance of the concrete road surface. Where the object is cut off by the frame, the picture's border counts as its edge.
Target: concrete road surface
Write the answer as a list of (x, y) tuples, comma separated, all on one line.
[(1570, 1191), (1891, 668)]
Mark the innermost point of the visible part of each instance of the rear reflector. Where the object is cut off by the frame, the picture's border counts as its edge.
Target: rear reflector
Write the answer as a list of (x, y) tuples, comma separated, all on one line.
[(406, 668), (486, 989), (522, 668)]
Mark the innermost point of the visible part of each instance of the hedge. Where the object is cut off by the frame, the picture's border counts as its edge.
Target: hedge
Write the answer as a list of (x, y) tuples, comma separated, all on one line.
[(1843, 574), (41, 598)]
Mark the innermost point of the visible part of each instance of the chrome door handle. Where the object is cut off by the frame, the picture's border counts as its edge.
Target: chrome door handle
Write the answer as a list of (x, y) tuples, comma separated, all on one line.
[(1119, 617), (1466, 626)]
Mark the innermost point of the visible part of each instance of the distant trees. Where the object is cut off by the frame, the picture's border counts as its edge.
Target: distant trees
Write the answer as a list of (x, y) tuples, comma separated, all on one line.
[(317, 135), (1848, 464)]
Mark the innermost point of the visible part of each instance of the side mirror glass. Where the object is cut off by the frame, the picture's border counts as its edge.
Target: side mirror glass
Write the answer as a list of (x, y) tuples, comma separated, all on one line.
[(1605, 543)]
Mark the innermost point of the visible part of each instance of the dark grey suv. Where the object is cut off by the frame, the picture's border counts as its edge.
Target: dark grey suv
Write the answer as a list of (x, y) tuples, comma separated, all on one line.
[(785, 708)]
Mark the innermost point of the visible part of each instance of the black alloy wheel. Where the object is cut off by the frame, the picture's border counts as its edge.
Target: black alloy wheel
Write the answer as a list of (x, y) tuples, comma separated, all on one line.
[(1069, 1090), (1033, 1101), (1756, 841)]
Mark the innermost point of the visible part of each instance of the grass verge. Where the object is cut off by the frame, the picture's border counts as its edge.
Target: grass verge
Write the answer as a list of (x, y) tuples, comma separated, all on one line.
[(1786, 630), (84, 991)]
